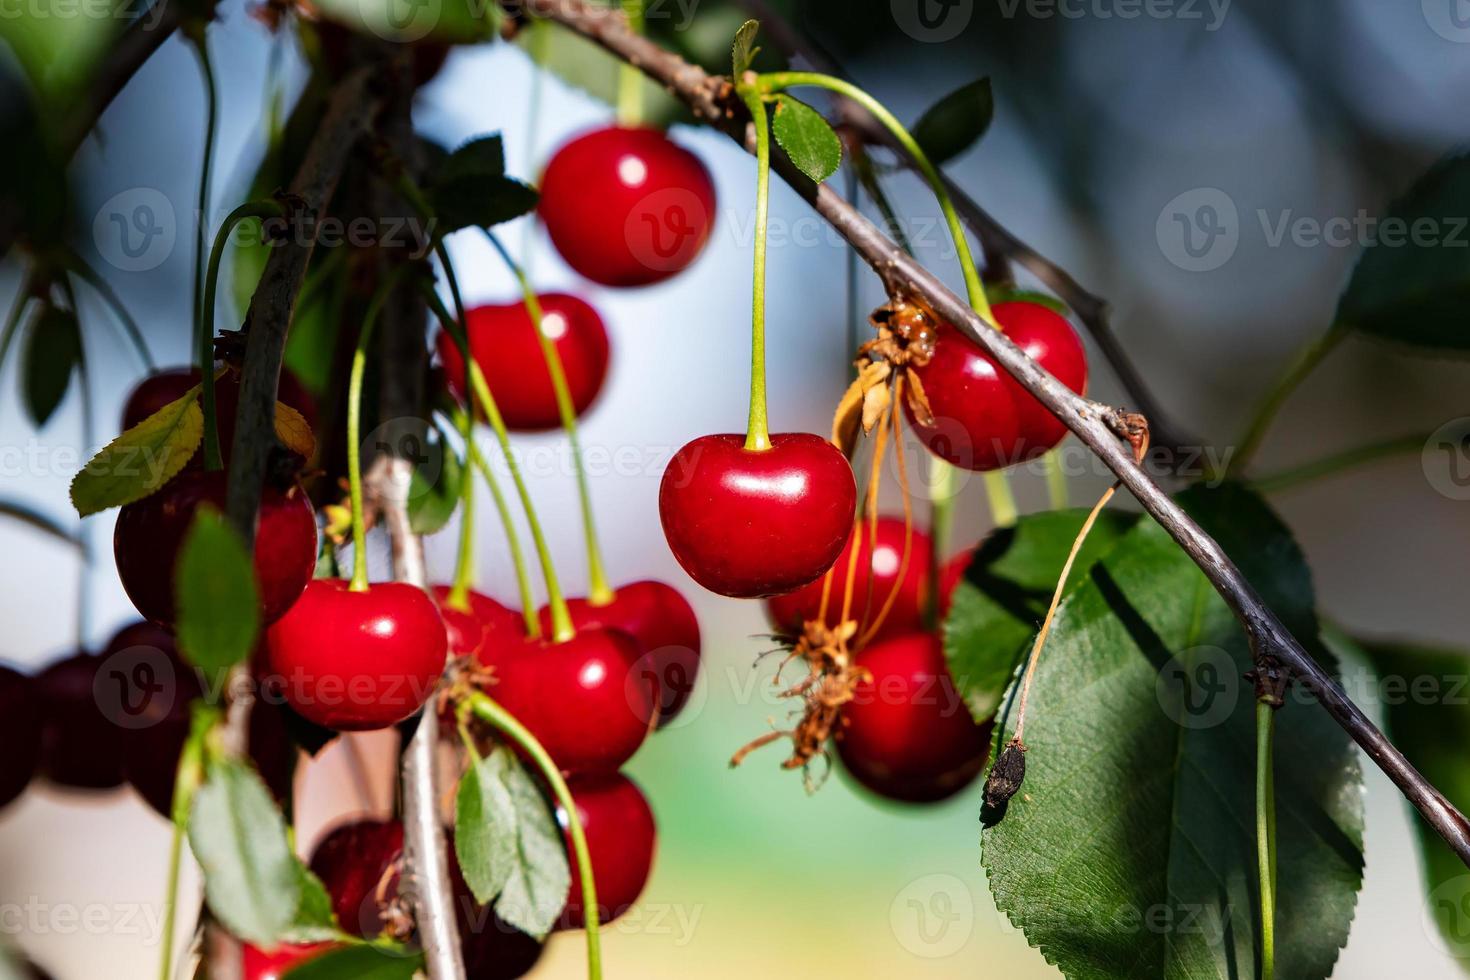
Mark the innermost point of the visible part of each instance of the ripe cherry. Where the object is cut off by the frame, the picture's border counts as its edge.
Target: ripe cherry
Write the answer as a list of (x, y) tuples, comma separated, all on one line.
[(877, 573), (627, 207), (749, 523), (504, 344), (258, 964), (582, 698), (80, 747), (984, 419), (150, 532), (170, 384), (908, 735), (355, 661), (469, 630), (664, 626), (621, 839), (20, 733)]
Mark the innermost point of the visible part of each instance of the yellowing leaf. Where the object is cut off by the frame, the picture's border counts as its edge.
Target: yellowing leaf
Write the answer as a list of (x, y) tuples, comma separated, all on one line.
[(142, 459), (294, 431)]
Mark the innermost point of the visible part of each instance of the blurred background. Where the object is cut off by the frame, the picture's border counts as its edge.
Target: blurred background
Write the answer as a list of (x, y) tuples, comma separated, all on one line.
[(1111, 118)]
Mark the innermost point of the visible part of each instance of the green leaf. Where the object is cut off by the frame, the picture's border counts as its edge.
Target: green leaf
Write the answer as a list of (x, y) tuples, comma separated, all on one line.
[(431, 504), (464, 202), (485, 826), (482, 157), (1003, 597), (239, 838), (1130, 850), (1412, 283), (952, 125), (807, 138), (406, 21), (360, 962), (540, 880), (53, 352), (315, 920), (1427, 714), (142, 459), (743, 49), (218, 603)]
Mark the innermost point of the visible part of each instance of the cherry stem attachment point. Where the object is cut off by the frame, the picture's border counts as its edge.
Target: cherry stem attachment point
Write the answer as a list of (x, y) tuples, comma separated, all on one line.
[(630, 78), (504, 722), (599, 593), (757, 430)]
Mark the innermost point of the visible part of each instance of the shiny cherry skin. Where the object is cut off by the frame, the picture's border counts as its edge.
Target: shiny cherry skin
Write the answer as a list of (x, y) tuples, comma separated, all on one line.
[(469, 629), (170, 384), (80, 747), (876, 576), (582, 698), (662, 623), (626, 207), (259, 964), (150, 532), (356, 661), (984, 419), (748, 524), (907, 733), (621, 838), (20, 733), (504, 344)]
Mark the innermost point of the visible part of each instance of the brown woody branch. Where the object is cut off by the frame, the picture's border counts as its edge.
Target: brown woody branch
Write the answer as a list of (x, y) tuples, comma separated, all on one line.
[(1104, 429)]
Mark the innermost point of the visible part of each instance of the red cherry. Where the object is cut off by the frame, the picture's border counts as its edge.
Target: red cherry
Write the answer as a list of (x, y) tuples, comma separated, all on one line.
[(582, 698), (749, 524), (170, 384), (80, 745), (468, 630), (621, 839), (505, 346), (20, 733), (149, 533), (257, 964), (877, 572), (908, 734), (627, 207), (664, 626), (984, 419), (355, 661)]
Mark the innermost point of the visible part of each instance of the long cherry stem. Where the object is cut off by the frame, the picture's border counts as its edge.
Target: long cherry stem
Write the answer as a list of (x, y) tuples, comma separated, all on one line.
[(1266, 833), (76, 264), (502, 721), (195, 31), (599, 593), (630, 78), (513, 541), (757, 429)]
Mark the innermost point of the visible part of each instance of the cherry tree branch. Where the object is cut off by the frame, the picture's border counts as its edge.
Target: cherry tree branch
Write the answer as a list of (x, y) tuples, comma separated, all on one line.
[(1103, 429)]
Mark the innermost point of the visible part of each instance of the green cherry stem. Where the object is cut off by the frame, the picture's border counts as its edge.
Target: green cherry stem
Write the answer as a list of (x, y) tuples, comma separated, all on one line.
[(464, 560), (1002, 501), (189, 774), (204, 337), (195, 31), (757, 429), (599, 592), (1304, 363), (1056, 480), (502, 721), (354, 424), (1266, 833), (513, 541), (1331, 465), (79, 266), (630, 76), (561, 620)]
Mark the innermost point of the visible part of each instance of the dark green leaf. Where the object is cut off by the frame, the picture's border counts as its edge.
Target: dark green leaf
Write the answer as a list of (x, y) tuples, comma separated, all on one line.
[(218, 603), (807, 138), (540, 879), (999, 604), (431, 504), (743, 49), (465, 202), (482, 157), (1412, 283), (485, 826), (1426, 702), (239, 838), (142, 459), (952, 125), (1130, 849), (363, 962), (52, 353)]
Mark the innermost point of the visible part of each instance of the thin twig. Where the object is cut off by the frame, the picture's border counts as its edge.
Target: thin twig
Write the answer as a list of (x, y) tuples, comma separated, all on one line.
[(139, 40), (1103, 429)]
